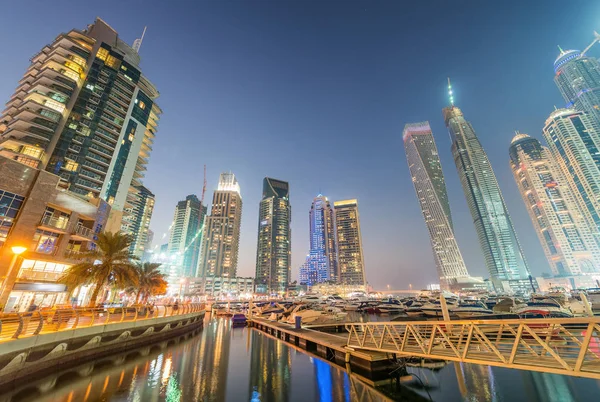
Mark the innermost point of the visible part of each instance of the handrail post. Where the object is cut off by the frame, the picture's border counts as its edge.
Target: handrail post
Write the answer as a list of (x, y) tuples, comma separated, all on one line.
[(76, 311), (107, 317), (40, 323), (135, 317), (123, 309), (93, 317), (19, 328)]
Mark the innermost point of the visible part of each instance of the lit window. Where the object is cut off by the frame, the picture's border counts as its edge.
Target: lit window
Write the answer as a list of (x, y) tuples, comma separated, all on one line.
[(52, 104), (102, 54), (74, 66), (73, 126), (32, 151), (142, 105), (112, 62), (71, 166), (71, 74)]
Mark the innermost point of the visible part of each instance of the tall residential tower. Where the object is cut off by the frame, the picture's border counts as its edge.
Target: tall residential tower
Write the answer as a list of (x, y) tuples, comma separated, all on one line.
[(351, 263), (321, 262), (185, 240), (428, 179), (497, 238), (574, 139), (274, 249), (221, 239), (565, 236), (85, 112)]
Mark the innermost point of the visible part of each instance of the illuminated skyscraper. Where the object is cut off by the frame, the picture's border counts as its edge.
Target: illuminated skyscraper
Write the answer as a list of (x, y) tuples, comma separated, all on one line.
[(84, 111), (428, 179), (321, 263), (563, 232), (351, 263), (136, 221), (497, 238), (577, 77), (274, 249), (185, 239), (221, 239), (574, 139)]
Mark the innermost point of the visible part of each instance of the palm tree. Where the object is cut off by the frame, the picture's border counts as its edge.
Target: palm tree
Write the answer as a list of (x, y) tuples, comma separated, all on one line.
[(150, 280), (109, 263)]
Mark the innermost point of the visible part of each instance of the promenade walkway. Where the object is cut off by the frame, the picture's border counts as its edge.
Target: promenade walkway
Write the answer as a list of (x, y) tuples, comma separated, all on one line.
[(20, 325)]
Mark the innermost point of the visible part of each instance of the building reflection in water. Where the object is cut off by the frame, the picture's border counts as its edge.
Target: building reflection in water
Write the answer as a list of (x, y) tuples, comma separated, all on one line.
[(333, 384), (270, 368), (477, 382)]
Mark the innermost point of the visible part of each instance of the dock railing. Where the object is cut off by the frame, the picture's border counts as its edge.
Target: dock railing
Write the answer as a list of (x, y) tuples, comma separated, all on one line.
[(568, 346), (19, 325)]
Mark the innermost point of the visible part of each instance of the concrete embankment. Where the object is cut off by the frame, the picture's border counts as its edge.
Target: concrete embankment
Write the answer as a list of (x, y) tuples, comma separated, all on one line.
[(34, 356)]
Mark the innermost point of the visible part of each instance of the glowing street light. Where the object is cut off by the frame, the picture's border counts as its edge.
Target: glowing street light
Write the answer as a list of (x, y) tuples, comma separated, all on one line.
[(17, 251)]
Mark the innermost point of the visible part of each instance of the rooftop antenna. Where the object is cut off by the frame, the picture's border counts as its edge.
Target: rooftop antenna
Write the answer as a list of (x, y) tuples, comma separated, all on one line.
[(450, 93), (596, 39), (560, 49), (138, 42)]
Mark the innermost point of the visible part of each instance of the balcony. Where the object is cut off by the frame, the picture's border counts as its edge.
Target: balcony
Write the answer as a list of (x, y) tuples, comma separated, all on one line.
[(54, 223), (82, 233), (75, 255), (35, 276)]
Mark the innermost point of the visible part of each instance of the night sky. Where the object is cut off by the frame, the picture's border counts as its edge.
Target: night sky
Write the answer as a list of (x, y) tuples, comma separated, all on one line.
[(317, 94)]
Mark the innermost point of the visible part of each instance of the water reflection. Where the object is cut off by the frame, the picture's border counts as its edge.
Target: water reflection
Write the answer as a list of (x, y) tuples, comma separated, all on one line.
[(219, 364), (239, 364)]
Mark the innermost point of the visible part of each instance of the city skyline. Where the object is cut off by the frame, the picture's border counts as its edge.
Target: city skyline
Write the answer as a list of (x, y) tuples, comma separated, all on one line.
[(177, 152)]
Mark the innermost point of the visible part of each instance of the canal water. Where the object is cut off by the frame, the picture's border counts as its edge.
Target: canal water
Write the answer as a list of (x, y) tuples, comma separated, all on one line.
[(221, 363)]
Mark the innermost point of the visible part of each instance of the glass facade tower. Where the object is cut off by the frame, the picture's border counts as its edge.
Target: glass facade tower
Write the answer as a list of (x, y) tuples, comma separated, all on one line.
[(351, 263), (563, 232), (136, 222), (503, 255), (221, 238), (430, 187), (321, 263), (274, 249), (185, 239), (85, 112)]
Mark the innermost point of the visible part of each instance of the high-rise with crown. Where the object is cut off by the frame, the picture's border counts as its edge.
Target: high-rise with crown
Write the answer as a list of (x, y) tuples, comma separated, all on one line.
[(274, 249), (563, 232), (574, 139), (577, 76), (428, 179), (185, 239), (221, 239), (503, 255), (351, 263), (84, 111), (321, 263)]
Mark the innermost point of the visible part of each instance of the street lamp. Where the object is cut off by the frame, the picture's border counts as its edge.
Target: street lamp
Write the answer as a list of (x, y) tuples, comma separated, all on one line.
[(17, 251)]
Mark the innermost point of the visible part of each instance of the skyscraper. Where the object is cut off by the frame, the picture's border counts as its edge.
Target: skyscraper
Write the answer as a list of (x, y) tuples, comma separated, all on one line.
[(351, 263), (577, 77), (428, 179), (321, 264), (136, 222), (574, 139), (84, 111), (221, 239), (274, 249), (504, 258), (185, 239), (565, 236)]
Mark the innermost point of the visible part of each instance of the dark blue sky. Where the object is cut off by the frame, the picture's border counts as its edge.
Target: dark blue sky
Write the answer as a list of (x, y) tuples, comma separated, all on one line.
[(317, 93)]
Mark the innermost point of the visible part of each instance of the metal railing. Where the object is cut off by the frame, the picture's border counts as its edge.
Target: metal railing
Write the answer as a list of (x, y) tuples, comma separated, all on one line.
[(83, 231), (19, 325), (55, 222), (568, 346)]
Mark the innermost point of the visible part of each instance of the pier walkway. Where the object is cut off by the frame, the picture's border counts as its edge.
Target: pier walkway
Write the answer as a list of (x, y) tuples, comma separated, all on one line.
[(569, 346)]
